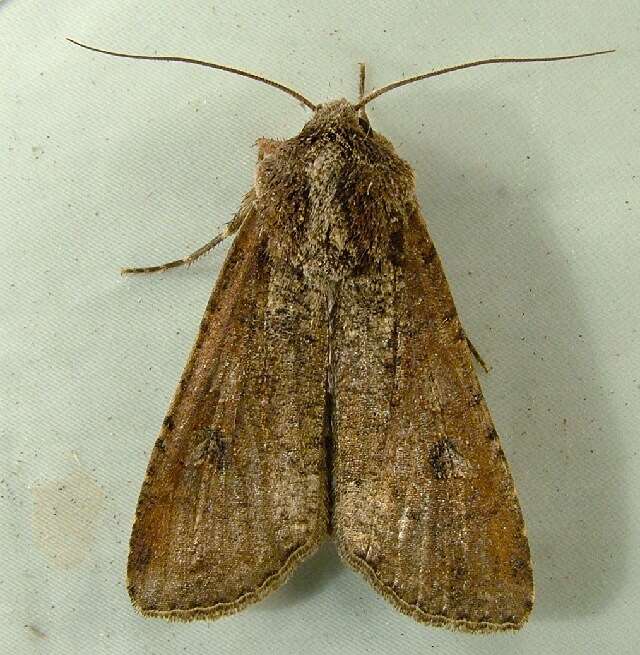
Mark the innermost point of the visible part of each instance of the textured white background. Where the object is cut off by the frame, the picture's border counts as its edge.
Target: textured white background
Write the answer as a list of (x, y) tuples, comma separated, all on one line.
[(529, 176)]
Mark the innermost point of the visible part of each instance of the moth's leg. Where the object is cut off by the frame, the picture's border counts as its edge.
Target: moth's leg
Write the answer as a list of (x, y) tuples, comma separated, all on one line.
[(232, 227), (475, 353), (185, 261)]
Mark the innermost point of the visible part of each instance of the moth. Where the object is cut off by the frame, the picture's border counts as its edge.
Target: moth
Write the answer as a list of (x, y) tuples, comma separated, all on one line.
[(331, 392)]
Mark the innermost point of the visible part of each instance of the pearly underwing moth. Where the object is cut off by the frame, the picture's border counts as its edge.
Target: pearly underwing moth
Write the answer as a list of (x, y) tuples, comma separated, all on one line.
[(331, 392)]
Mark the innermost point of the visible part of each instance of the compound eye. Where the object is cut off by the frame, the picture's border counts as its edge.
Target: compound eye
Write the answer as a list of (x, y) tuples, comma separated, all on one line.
[(266, 147), (364, 123)]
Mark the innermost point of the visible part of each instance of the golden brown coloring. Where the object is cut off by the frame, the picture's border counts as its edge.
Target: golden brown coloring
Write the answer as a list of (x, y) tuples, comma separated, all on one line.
[(331, 388), (331, 391)]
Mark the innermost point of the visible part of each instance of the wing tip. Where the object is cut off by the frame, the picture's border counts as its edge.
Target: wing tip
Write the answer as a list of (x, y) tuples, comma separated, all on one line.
[(439, 620), (219, 610)]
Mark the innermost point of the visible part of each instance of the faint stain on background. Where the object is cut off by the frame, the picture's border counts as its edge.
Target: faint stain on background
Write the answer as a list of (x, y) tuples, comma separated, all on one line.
[(65, 518)]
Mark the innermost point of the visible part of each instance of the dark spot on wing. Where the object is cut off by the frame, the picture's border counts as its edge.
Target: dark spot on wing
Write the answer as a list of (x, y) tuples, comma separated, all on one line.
[(446, 461), (211, 447)]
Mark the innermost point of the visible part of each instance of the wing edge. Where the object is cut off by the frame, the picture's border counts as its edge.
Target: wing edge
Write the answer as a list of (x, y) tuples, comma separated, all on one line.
[(270, 584), (439, 620)]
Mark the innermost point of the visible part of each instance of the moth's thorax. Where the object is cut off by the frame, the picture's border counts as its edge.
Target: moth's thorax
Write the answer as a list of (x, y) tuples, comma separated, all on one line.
[(335, 198)]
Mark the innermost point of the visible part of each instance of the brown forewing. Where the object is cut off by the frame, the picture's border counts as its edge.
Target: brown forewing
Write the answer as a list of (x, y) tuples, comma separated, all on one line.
[(235, 492), (425, 505)]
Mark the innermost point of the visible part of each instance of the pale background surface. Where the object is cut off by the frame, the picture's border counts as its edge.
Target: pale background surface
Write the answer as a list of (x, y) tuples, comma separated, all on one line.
[(530, 178)]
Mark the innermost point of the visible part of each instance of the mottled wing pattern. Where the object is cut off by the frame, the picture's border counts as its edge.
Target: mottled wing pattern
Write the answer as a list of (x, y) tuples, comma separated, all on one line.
[(235, 492), (425, 505)]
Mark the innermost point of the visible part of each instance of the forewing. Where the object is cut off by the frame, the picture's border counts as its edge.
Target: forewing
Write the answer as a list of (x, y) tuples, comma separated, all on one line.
[(425, 505), (235, 492)]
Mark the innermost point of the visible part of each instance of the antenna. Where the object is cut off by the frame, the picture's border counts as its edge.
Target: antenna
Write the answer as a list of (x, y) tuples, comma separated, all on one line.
[(394, 85), (187, 60)]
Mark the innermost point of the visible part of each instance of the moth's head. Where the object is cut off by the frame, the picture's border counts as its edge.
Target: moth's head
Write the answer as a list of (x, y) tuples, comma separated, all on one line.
[(340, 113), (337, 123)]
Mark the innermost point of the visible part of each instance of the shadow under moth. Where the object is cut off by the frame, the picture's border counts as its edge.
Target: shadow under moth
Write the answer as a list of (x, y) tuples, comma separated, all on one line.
[(331, 391)]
